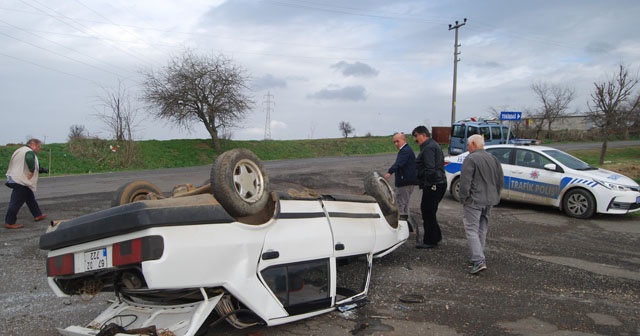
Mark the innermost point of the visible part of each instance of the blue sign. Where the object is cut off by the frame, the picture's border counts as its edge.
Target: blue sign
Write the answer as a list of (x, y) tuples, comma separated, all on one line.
[(507, 115)]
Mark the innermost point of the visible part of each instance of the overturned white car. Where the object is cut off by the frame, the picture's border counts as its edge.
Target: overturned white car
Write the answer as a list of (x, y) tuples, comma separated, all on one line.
[(231, 250)]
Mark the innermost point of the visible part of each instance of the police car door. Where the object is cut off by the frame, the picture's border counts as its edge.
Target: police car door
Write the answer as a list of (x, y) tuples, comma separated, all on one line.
[(530, 182), (504, 156)]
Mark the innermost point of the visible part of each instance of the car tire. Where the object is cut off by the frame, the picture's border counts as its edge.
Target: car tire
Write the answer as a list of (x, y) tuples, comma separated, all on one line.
[(579, 203), (378, 187), (455, 189), (133, 192), (239, 183)]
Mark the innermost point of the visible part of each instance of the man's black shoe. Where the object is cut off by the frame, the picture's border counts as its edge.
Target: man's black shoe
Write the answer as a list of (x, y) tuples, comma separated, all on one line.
[(425, 246)]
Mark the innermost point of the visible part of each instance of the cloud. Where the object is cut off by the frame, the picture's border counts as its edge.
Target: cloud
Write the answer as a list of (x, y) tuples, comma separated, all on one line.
[(357, 69), (353, 93), (268, 81), (392, 58)]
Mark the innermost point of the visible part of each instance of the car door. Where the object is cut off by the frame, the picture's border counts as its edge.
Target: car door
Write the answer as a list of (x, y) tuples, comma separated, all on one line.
[(354, 238), (297, 257), (530, 182), (504, 156)]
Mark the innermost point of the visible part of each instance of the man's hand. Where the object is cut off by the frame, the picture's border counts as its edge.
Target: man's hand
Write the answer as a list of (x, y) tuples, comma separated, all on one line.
[(387, 176)]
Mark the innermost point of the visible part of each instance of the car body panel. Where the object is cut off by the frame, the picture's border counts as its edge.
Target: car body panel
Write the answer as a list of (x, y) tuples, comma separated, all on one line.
[(528, 179)]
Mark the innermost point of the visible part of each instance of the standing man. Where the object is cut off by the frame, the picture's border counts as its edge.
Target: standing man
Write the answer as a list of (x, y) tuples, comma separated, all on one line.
[(481, 180), (432, 181), (405, 170), (22, 177)]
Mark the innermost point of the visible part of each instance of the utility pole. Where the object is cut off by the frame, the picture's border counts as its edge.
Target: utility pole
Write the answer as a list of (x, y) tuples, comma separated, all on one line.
[(267, 126), (455, 69)]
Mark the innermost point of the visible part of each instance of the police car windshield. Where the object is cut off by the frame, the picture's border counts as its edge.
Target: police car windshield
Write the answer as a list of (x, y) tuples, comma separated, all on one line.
[(568, 160)]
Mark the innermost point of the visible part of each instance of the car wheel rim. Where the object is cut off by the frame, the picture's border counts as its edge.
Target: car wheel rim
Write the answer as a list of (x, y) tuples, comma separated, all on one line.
[(139, 197), (248, 181), (387, 191), (577, 204)]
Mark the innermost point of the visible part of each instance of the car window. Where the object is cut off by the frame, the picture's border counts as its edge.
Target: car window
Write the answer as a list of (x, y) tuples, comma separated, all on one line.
[(568, 160), (457, 131), (300, 287), (503, 154), (484, 130), (496, 132), (351, 276), (527, 158), (472, 130)]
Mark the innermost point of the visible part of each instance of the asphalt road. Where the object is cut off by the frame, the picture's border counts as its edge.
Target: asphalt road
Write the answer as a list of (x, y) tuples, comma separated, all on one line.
[(548, 274)]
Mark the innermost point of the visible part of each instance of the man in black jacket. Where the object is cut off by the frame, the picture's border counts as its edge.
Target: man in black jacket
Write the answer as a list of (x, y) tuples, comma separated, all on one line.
[(432, 181), (405, 170)]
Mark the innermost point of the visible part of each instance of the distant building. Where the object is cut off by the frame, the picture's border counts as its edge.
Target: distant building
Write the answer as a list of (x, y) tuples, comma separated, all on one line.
[(570, 122)]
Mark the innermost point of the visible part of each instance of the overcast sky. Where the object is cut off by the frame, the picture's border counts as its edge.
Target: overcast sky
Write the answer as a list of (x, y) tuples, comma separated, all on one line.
[(383, 66)]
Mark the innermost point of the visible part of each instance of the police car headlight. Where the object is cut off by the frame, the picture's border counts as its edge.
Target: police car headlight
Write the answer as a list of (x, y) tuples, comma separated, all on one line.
[(613, 186)]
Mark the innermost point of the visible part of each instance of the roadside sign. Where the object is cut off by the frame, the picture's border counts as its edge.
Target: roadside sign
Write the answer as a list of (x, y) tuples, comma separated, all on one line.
[(510, 115)]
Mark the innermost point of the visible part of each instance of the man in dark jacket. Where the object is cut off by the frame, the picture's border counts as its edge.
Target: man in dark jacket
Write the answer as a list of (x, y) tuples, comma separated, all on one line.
[(405, 170), (432, 181)]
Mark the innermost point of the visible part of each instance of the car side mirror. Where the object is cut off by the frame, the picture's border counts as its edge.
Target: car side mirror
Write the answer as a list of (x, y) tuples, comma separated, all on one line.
[(551, 167)]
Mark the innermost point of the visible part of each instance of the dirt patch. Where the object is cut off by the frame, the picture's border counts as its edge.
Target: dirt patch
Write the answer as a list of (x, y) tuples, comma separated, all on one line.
[(630, 169)]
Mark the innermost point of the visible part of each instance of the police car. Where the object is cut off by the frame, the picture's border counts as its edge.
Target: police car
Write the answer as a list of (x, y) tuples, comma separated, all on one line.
[(547, 176)]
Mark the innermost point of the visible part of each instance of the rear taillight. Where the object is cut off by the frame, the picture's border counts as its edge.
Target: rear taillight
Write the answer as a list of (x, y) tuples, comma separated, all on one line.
[(137, 250), (60, 265)]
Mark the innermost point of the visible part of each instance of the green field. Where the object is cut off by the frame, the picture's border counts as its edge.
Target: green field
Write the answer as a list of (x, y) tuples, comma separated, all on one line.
[(96, 156)]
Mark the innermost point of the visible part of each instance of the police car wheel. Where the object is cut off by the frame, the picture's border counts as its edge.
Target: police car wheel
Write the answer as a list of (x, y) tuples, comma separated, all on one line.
[(455, 189), (579, 203)]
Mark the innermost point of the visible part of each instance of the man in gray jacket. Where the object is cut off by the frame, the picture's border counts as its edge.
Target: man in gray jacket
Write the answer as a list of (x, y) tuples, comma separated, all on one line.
[(481, 180)]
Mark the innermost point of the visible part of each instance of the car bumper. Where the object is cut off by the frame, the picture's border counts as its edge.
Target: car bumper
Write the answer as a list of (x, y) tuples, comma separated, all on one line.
[(183, 320), (624, 204)]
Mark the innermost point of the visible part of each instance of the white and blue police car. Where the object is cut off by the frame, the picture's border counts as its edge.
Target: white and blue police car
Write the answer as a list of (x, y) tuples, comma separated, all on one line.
[(548, 176)]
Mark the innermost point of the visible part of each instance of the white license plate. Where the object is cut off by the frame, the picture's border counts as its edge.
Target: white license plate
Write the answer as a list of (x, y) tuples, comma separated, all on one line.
[(96, 259)]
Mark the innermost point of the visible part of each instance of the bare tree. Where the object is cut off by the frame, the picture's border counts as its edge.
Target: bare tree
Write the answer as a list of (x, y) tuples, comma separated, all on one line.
[(555, 100), (346, 128), (77, 132), (118, 113), (120, 116), (609, 102), (199, 89), (633, 116)]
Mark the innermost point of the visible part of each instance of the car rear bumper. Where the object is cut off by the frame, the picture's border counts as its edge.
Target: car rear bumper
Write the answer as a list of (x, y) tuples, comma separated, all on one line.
[(181, 320)]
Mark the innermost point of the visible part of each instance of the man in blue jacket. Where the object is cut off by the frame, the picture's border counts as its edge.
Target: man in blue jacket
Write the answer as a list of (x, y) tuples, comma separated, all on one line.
[(405, 170)]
